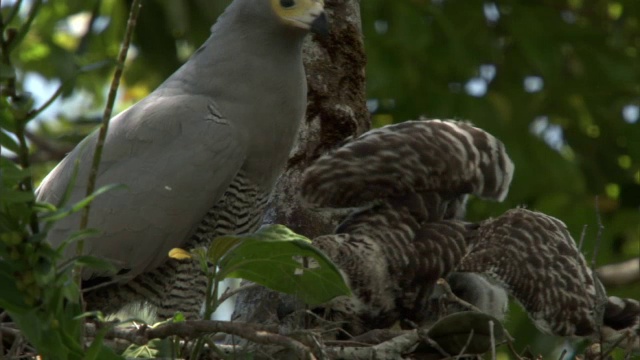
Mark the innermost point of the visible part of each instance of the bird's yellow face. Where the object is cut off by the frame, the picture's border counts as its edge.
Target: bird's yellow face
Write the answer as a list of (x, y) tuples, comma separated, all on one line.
[(304, 14)]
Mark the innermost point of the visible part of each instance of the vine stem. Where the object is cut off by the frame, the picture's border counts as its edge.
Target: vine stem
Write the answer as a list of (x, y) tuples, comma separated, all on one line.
[(113, 91)]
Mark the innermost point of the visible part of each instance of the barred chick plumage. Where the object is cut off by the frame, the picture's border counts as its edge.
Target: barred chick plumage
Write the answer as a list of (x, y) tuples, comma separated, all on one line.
[(537, 261), (409, 232), (394, 248), (415, 156), (391, 263)]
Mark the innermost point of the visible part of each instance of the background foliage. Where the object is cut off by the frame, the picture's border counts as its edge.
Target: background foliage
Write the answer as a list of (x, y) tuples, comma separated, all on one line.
[(557, 81)]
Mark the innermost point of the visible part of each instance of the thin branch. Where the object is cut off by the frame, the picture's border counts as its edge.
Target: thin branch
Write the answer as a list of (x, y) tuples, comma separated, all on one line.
[(35, 112), (582, 236), (598, 235), (394, 348), (372, 337), (24, 29), (434, 344), (84, 40), (601, 296), (80, 49), (45, 145), (131, 24), (493, 340), (563, 354), (627, 335), (193, 329), (14, 11), (452, 297), (466, 345), (229, 292)]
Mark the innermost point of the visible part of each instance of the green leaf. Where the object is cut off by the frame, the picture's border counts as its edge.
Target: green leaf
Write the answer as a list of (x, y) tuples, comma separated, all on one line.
[(452, 332), (11, 299), (97, 349), (79, 235), (10, 196), (66, 211), (282, 260), (148, 351), (95, 263), (69, 290), (8, 142), (220, 246), (11, 172)]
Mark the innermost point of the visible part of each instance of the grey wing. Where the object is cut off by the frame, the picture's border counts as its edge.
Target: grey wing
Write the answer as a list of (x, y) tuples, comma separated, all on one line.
[(410, 157), (175, 156)]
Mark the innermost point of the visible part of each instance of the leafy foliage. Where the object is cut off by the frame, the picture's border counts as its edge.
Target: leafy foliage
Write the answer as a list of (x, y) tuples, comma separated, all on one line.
[(275, 257), (282, 260), (556, 81)]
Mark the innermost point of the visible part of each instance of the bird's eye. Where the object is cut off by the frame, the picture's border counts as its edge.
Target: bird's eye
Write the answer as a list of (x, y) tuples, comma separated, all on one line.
[(287, 3)]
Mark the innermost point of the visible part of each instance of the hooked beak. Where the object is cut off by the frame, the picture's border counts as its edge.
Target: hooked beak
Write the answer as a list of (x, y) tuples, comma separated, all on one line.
[(320, 25)]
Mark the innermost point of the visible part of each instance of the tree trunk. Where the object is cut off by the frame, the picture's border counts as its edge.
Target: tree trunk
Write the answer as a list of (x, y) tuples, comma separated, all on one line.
[(336, 110)]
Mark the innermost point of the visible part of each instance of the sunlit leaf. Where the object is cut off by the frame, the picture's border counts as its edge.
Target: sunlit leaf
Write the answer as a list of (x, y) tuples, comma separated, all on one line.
[(179, 254)]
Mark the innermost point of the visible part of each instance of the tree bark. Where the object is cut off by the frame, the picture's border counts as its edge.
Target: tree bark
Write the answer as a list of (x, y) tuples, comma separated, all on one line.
[(336, 110)]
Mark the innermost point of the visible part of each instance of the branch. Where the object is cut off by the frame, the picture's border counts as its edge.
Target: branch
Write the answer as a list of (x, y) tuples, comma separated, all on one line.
[(93, 172), (232, 292), (620, 274), (394, 348), (260, 334), (53, 151), (14, 11)]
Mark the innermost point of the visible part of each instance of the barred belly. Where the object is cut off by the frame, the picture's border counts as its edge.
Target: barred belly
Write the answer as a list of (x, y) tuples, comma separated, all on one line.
[(181, 285)]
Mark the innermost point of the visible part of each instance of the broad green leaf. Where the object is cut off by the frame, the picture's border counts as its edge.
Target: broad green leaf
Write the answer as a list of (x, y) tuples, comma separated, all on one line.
[(220, 246), (452, 332), (282, 260)]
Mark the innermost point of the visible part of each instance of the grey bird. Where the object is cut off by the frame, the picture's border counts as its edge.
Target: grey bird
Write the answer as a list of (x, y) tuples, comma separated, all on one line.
[(198, 156)]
